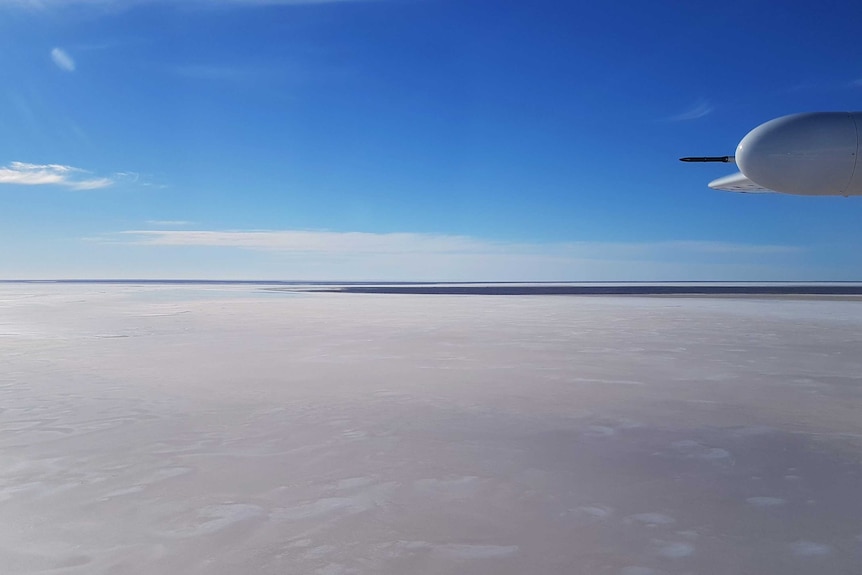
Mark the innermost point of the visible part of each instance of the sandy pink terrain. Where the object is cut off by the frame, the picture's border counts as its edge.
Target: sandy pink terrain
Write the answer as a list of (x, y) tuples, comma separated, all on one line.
[(228, 430)]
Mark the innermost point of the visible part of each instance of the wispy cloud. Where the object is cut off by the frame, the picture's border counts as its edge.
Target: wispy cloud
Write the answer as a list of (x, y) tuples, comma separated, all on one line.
[(346, 243), (169, 223), (25, 174), (321, 242), (350, 256), (225, 73), (353, 256), (212, 72), (62, 60), (710, 247), (697, 110)]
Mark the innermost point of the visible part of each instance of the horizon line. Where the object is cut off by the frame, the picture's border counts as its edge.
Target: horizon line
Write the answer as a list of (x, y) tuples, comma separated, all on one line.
[(409, 282)]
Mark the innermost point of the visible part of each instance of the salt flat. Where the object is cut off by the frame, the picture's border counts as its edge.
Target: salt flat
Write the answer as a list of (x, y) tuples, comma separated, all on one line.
[(229, 430)]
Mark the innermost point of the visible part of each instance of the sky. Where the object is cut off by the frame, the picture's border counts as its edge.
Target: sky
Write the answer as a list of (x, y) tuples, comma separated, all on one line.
[(413, 140)]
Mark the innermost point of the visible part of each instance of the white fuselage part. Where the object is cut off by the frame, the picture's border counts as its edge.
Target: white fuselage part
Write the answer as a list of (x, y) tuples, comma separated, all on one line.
[(813, 154)]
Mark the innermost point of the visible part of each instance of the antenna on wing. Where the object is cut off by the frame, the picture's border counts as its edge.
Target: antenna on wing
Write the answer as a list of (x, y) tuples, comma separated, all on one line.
[(723, 159)]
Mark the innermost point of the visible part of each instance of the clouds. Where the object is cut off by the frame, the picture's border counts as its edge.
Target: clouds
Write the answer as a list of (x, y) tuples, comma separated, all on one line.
[(355, 256), (169, 223), (697, 110), (62, 60), (319, 242), (25, 174), (345, 243)]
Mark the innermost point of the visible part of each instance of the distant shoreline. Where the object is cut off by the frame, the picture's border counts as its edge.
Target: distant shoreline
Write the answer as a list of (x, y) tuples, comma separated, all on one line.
[(827, 290), (820, 291)]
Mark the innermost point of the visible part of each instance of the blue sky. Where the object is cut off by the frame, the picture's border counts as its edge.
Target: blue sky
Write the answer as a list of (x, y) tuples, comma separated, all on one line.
[(471, 140)]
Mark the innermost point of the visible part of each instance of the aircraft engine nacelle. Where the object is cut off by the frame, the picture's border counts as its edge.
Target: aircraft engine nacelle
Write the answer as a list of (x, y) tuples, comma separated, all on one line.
[(807, 154)]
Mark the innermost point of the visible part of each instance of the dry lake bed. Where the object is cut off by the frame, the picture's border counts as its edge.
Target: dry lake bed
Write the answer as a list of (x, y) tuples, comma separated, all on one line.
[(206, 429)]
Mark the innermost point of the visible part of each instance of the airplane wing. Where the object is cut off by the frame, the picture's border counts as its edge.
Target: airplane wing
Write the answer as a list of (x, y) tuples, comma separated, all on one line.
[(738, 183)]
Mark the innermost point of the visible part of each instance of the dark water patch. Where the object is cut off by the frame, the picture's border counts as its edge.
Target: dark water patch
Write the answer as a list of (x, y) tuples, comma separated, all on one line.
[(609, 290)]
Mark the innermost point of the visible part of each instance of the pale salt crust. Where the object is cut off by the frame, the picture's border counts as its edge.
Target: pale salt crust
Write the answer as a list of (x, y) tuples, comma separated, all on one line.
[(226, 430)]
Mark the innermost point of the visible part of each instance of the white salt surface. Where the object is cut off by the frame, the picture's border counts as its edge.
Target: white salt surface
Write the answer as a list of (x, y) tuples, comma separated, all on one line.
[(200, 430)]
